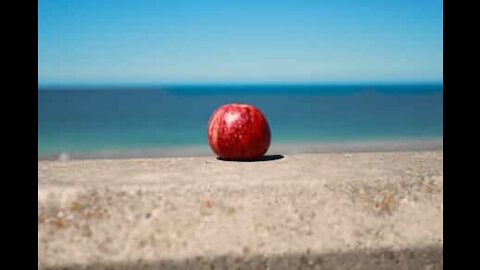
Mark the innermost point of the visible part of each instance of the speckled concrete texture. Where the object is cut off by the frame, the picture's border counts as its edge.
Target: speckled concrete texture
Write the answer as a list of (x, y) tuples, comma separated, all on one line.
[(312, 211)]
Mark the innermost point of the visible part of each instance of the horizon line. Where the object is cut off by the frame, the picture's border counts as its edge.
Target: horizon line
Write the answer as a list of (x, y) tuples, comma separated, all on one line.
[(224, 83)]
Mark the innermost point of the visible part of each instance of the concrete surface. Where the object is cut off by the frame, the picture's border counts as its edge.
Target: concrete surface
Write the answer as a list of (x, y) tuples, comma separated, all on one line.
[(312, 211)]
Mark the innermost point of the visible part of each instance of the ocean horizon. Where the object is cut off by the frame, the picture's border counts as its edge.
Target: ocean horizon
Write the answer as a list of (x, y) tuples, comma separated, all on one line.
[(144, 121)]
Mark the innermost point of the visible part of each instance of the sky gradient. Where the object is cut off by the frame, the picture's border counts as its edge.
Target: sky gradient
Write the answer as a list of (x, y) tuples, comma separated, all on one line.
[(239, 41)]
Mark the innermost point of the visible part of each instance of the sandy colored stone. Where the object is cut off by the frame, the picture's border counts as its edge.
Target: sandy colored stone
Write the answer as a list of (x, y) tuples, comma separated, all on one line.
[(379, 210)]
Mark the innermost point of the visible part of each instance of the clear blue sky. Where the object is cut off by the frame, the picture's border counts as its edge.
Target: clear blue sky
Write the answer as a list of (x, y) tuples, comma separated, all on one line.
[(192, 41)]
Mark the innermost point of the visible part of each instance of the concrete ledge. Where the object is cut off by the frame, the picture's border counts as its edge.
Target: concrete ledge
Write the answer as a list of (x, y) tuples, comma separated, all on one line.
[(311, 211)]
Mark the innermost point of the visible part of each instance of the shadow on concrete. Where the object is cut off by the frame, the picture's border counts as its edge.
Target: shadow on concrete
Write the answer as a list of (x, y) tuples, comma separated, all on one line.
[(414, 258), (263, 158)]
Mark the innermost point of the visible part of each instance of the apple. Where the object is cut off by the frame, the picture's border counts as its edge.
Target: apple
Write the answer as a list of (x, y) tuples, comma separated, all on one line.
[(238, 132)]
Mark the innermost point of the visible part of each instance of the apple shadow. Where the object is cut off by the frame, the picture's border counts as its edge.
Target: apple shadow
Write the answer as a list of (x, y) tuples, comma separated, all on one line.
[(263, 158)]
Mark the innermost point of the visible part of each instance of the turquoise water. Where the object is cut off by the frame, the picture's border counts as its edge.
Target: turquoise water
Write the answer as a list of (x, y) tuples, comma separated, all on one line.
[(89, 120)]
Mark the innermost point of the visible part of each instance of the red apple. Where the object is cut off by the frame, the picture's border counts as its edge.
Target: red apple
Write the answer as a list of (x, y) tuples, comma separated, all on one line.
[(238, 132)]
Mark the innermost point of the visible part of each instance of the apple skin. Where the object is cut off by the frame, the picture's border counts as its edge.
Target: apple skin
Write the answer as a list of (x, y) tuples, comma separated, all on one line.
[(238, 132)]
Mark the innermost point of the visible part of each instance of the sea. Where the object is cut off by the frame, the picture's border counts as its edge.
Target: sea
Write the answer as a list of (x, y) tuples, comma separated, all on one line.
[(77, 122)]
